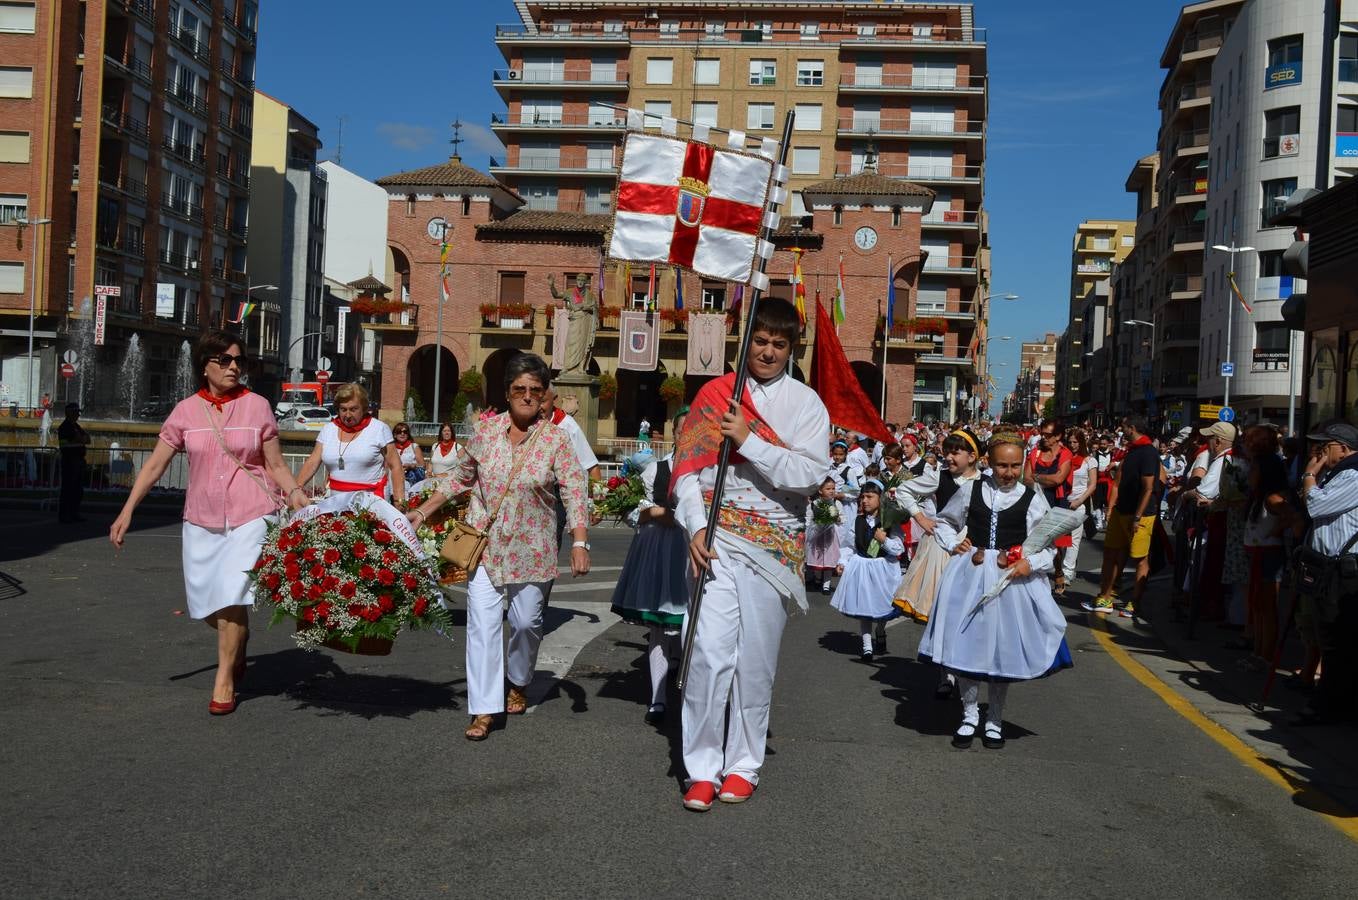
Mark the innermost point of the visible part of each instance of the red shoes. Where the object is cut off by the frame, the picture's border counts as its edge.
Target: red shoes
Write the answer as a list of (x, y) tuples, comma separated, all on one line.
[(221, 707), (699, 796), (735, 789)]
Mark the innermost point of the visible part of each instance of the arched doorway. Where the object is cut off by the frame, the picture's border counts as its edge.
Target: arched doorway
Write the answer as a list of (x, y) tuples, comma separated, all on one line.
[(638, 398), (420, 377), (869, 377), (494, 371)]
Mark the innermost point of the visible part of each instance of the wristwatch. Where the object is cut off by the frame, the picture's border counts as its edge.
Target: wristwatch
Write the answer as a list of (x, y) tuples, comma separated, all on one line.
[(582, 544)]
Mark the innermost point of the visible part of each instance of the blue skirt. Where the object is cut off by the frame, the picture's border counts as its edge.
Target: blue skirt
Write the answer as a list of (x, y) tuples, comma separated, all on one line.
[(653, 586)]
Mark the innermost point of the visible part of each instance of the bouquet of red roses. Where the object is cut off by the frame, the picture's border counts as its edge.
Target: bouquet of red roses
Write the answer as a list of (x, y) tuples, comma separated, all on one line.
[(353, 578), (619, 497)]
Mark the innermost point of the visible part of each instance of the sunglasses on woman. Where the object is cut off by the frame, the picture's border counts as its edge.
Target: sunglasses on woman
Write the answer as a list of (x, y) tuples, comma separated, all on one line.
[(523, 390), (226, 359)]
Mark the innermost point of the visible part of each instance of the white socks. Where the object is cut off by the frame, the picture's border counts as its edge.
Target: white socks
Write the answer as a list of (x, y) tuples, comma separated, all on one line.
[(996, 692)]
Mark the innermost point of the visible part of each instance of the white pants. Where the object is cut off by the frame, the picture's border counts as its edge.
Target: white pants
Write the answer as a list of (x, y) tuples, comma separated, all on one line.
[(485, 639), (1073, 554), (735, 657)]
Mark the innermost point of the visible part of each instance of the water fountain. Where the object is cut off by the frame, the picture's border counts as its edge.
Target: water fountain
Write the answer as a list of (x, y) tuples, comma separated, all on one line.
[(132, 376), (82, 340), (184, 381)]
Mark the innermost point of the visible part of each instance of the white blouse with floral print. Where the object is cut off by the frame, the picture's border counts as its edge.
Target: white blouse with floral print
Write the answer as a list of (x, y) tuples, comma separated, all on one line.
[(522, 545)]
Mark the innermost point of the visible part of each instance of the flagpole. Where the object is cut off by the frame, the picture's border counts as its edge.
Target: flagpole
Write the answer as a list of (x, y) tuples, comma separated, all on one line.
[(438, 344), (886, 330), (695, 602)]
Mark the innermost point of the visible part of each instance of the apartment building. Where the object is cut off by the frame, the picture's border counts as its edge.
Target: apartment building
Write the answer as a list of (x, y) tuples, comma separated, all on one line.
[(1133, 332), (1036, 382), (897, 90), (1276, 87), (288, 199), (124, 132), (1082, 367)]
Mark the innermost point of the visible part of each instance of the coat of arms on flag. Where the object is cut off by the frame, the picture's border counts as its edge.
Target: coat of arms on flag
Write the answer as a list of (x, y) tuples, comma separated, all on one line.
[(639, 349), (689, 204)]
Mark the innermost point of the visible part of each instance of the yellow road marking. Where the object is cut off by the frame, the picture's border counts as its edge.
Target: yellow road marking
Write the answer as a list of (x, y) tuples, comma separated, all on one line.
[(1305, 794)]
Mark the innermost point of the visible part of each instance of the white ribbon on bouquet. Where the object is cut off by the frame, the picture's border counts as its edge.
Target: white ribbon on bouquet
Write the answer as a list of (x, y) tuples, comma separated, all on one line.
[(1057, 523), (390, 516)]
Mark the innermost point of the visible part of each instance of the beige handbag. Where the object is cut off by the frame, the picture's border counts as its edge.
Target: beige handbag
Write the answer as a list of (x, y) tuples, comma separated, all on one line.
[(464, 544)]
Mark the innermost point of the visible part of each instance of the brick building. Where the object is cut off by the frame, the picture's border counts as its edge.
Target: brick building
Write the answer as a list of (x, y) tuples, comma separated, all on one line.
[(127, 124)]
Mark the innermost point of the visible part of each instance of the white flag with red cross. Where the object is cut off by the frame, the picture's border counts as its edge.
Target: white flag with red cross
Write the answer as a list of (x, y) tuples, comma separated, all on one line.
[(688, 204)]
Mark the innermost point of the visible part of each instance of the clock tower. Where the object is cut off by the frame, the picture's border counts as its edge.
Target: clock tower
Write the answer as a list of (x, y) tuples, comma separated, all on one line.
[(872, 223)]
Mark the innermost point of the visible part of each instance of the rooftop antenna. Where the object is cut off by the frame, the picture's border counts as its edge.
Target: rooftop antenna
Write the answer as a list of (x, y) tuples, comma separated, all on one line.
[(456, 139), (339, 142)]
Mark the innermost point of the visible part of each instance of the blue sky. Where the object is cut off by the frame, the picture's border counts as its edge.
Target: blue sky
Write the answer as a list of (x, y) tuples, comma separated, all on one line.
[(1072, 107)]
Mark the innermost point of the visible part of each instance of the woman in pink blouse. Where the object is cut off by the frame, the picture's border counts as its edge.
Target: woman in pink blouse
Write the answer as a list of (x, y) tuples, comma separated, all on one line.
[(520, 557), (235, 471)]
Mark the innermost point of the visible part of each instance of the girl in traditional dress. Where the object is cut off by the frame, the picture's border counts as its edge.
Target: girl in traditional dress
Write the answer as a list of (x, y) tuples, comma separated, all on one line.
[(847, 478), (869, 569), (822, 538), (357, 450), (653, 587), (1018, 635)]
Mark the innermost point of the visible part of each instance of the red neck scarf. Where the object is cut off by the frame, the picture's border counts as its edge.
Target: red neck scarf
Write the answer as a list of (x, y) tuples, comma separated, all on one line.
[(446, 447), (401, 445), (699, 443), (1142, 441), (558, 416), (352, 429), (220, 402)]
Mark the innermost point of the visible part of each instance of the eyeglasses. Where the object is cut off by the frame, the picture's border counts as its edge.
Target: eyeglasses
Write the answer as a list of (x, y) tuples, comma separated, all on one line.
[(1049, 434), (523, 390), (226, 359), (400, 431)]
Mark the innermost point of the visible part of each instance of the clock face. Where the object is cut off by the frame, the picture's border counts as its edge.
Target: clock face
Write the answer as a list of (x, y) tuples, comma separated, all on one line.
[(435, 228), (865, 238)]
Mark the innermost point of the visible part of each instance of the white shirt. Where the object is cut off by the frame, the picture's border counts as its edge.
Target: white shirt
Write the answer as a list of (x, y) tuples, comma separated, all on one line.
[(579, 443), (440, 464), (892, 549), (1210, 486), (859, 458), (953, 518), (1334, 513), (364, 457), (1080, 478), (772, 482)]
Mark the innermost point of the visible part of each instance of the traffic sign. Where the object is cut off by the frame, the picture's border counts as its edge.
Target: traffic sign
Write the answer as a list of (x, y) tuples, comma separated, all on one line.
[(323, 362), (67, 370), (1228, 370), (69, 356), (1209, 410), (1226, 414), (322, 375)]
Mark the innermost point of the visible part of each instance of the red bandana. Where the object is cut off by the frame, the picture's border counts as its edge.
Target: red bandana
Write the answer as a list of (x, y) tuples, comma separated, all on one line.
[(1141, 441), (351, 429), (220, 402), (699, 443), (401, 445), (558, 416), (446, 447)]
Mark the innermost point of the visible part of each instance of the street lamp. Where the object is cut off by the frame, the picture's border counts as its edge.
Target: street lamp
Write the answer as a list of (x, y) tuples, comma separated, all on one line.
[(32, 299), (298, 341), (1230, 310)]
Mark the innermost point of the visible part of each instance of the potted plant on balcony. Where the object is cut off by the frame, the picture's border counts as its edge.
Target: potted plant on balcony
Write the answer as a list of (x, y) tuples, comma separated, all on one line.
[(608, 387), (672, 391), (516, 315), (608, 317), (676, 316), (488, 313)]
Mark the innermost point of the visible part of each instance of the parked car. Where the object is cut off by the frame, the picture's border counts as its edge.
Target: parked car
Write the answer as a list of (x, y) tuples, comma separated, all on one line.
[(306, 418)]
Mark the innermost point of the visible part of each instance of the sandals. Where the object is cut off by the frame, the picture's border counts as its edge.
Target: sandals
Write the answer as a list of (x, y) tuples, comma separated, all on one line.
[(479, 729), (516, 702)]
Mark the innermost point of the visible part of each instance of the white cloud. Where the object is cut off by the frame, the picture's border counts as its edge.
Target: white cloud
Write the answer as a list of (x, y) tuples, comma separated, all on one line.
[(405, 136), (482, 140)]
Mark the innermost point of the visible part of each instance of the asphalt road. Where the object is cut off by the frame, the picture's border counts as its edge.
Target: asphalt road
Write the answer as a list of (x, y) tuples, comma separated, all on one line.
[(348, 776)]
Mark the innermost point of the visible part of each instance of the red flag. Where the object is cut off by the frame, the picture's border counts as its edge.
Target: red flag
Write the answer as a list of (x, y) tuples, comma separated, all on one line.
[(833, 379)]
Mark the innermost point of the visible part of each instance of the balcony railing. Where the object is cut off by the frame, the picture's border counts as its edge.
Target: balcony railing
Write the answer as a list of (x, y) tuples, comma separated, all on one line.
[(1188, 236), (123, 122), (188, 99), (1181, 284), (923, 172), (182, 206), (929, 81), (1205, 40), (577, 166), (1187, 139), (193, 155), (564, 121), (235, 74), (133, 187), (883, 32), (236, 124), (949, 264), (1178, 379), (143, 8), (1179, 331), (951, 218), (519, 76), (886, 126)]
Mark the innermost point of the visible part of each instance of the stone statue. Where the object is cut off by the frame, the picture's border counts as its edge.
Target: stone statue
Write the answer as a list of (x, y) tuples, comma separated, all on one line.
[(582, 310)]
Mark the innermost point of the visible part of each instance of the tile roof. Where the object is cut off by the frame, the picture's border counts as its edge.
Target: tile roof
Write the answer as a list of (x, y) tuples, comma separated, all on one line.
[(369, 284), (869, 184), (452, 173), (542, 220)]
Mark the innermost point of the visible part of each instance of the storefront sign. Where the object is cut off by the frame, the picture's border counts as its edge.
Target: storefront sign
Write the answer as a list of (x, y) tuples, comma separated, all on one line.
[(1282, 75), (1346, 145), (165, 300), (100, 319), (1269, 361)]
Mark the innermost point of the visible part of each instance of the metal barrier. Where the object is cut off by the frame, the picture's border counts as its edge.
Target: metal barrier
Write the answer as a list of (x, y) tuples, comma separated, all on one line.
[(38, 469)]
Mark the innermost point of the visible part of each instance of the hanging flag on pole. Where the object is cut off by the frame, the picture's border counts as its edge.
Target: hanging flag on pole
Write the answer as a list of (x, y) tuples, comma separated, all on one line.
[(650, 290), (1236, 288), (689, 204), (834, 380), (838, 312), (243, 310), (736, 300), (678, 289), (798, 285), (890, 295)]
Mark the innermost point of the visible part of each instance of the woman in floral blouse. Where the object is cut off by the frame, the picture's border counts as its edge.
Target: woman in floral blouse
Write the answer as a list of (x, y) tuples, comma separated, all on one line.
[(520, 558)]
